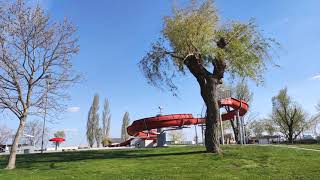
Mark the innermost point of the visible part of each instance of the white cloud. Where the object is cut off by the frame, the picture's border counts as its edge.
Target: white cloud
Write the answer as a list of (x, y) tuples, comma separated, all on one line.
[(73, 109), (316, 77)]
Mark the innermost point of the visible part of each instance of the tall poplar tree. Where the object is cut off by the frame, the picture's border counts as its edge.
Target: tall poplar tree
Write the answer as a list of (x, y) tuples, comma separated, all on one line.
[(93, 122), (125, 124), (106, 119)]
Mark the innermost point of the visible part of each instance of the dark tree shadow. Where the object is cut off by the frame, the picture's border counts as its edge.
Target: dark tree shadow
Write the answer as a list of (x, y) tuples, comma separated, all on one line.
[(26, 161)]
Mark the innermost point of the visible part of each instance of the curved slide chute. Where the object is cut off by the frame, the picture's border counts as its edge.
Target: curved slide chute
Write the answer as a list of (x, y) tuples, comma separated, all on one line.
[(144, 128)]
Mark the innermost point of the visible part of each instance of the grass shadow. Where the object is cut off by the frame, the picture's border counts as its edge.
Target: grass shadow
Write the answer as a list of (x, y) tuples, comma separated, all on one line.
[(27, 161)]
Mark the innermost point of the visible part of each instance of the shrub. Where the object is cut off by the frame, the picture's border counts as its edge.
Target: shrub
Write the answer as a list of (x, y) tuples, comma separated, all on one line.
[(105, 142)]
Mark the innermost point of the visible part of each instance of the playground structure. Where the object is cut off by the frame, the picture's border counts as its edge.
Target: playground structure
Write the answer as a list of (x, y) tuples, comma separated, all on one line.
[(150, 129)]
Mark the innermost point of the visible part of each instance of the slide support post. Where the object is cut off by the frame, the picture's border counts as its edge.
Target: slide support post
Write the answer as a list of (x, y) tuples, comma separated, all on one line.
[(196, 138), (240, 127), (221, 129), (243, 130)]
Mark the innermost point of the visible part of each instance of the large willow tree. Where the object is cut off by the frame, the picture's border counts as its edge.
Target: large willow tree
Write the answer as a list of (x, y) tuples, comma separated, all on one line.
[(193, 40)]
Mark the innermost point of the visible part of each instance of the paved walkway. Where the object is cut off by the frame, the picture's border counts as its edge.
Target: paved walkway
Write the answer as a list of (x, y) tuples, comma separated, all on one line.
[(293, 147)]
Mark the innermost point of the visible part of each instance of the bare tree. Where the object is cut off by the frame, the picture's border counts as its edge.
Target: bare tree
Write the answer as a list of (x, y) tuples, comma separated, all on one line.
[(33, 51), (34, 128), (315, 120), (125, 124), (256, 128), (318, 107), (176, 136), (269, 127), (250, 117), (5, 134)]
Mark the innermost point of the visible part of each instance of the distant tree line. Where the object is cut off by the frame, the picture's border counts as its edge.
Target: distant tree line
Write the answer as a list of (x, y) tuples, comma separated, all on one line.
[(95, 133), (287, 116), (98, 132)]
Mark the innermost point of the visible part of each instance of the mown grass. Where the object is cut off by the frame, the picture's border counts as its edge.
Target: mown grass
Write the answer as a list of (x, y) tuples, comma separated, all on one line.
[(250, 162)]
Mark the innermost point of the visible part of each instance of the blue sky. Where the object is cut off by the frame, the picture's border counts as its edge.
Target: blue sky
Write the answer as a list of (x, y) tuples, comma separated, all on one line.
[(115, 35)]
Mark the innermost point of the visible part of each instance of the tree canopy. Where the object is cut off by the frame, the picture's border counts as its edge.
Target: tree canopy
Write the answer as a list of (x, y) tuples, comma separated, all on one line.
[(106, 119), (194, 38), (256, 127), (60, 134), (93, 122), (197, 30), (125, 123), (35, 64), (288, 115), (242, 91), (35, 128)]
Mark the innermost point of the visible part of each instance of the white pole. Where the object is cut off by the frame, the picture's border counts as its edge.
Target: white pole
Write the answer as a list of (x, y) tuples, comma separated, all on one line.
[(200, 115), (202, 135), (221, 129), (235, 119), (240, 128), (195, 128), (243, 130)]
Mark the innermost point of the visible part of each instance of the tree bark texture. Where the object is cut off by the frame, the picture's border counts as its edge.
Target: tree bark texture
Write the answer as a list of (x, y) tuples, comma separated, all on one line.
[(13, 152), (208, 87)]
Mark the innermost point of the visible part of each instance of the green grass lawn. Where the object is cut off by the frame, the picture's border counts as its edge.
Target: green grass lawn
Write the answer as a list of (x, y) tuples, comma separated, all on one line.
[(250, 162)]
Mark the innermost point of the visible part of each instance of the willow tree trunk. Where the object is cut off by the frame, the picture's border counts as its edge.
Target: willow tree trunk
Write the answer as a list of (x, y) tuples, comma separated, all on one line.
[(13, 152), (209, 95), (290, 135), (208, 86)]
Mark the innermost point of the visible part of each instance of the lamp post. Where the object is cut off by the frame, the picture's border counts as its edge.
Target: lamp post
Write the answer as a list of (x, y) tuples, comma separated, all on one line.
[(161, 137), (45, 111), (160, 110)]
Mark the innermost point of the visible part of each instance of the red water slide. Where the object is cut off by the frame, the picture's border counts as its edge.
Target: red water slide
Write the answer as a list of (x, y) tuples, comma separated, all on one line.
[(144, 128)]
